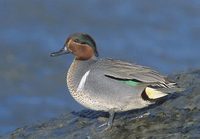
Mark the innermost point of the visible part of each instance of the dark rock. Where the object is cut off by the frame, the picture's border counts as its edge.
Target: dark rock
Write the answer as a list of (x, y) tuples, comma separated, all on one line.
[(177, 117)]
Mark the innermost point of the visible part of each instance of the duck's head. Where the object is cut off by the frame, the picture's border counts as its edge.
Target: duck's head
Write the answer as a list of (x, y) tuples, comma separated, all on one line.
[(79, 44)]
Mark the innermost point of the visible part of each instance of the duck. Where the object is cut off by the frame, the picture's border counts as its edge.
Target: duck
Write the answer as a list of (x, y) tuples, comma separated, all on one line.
[(110, 85)]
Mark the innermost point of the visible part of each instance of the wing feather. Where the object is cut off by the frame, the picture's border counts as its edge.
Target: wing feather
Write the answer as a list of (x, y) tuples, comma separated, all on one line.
[(128, 71)]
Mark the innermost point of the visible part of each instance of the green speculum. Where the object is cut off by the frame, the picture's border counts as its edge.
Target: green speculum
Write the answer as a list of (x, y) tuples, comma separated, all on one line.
[(131, 83)]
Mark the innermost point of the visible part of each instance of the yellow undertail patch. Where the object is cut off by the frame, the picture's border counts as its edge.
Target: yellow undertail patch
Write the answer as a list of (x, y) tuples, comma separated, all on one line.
[(153, 93)]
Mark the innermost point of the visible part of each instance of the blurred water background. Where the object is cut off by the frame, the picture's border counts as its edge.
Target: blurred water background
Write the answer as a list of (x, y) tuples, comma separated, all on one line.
[(164, 35)]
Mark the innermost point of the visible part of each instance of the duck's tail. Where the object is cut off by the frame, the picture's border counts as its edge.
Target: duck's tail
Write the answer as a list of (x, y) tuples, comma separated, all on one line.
[(155, 93)]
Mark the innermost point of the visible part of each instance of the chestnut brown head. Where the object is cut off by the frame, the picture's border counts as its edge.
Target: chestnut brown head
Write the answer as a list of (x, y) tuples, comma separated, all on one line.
[(81, 45)]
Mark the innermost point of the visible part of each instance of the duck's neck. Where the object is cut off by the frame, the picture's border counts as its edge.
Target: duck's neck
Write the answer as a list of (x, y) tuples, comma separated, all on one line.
[(76, 71)]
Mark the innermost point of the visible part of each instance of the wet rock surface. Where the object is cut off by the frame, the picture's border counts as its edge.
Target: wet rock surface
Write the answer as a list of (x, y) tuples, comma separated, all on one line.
[(177, 117)]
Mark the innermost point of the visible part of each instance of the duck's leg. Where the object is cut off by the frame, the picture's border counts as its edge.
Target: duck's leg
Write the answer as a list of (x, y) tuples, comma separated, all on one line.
[(111, 118), (110, 121)]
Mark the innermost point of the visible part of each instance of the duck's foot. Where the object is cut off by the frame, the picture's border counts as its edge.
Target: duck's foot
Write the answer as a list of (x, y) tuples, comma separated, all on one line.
[(108, 125)]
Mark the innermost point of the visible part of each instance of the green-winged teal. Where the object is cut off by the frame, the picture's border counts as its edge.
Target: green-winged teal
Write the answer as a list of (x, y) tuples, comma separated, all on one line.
[(107, 84)]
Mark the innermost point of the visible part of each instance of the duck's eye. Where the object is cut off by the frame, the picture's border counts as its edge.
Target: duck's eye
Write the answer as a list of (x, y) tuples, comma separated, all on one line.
[(77, 40)]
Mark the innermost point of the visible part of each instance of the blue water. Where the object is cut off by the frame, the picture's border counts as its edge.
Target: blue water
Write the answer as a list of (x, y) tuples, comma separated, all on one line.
[(161, 34)]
